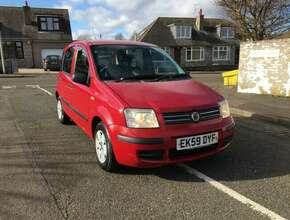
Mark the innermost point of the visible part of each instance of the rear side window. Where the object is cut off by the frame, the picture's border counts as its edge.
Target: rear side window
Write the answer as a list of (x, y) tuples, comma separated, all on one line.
[(67, 61), (81, 73)]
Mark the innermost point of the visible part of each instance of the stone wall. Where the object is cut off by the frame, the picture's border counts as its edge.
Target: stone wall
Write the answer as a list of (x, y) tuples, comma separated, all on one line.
[(265, 67)]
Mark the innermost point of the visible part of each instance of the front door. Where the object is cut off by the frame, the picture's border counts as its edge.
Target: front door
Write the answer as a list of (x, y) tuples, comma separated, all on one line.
[(81, 89), (177, 54)]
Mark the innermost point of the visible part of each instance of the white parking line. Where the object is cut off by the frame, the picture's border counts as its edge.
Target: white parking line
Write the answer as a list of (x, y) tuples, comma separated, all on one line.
[(8, 87), (251, 204), (38, 87), (44, 90)]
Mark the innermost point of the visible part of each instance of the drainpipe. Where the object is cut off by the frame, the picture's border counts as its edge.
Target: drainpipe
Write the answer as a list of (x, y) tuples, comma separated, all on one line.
[(2, 54)]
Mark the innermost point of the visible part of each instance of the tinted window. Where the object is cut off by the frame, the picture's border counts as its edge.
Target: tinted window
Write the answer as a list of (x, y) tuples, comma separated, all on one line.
[(81, 74), (68, 60)]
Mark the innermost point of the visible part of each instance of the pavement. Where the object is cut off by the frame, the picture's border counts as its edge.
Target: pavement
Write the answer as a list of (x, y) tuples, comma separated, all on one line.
[(264, 107), (49, 171)]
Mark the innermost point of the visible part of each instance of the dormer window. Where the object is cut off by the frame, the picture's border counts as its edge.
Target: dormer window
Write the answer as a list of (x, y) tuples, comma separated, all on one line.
[(227, 32), (183, 32), (49, 23)]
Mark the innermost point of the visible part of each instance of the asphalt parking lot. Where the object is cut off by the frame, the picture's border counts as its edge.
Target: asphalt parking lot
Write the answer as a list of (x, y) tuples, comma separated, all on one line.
[(48, 170)]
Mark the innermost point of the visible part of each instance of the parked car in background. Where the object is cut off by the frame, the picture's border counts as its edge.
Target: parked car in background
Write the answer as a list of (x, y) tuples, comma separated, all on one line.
[(52, 62), (139, 106)]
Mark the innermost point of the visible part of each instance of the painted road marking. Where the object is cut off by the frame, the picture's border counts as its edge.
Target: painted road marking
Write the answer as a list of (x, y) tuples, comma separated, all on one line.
[(251, 204), (38, 87), (8, 87)]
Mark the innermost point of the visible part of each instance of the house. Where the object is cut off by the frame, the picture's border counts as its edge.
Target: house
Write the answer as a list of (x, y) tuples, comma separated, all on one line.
[(195, 43), (30, 34)]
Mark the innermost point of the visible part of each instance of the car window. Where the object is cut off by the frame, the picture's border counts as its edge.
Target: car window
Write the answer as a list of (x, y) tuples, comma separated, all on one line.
[(115, 62), (67, 61), (81, 73), (52, 57)]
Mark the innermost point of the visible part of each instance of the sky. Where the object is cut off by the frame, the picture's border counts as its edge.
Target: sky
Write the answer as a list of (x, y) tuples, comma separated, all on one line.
[(109, 17)]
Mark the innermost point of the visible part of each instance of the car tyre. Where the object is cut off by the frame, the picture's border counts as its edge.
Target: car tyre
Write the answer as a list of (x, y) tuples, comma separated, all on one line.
[(61, 115), (104, 151)]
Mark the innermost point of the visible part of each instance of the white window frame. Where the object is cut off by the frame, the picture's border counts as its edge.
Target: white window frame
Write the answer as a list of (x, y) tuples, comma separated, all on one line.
[(230, 33), (220, 49), (192, 50), (185, 32), (167, 50)]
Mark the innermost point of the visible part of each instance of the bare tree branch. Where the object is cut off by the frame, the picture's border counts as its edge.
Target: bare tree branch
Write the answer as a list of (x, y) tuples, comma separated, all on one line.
[(258, 19)]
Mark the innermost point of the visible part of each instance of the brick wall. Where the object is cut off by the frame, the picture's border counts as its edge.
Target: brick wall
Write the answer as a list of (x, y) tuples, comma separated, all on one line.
[(265, 67)]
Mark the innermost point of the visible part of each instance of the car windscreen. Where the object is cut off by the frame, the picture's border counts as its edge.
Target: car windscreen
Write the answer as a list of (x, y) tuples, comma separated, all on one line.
[(127, 62)]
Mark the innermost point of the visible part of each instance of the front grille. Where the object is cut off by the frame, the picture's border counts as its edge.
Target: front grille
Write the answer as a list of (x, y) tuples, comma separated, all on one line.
[(175, 154), (185, 117)]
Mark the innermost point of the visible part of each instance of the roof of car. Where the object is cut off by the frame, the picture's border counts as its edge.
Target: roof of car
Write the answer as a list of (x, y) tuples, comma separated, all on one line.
[(112, 42)]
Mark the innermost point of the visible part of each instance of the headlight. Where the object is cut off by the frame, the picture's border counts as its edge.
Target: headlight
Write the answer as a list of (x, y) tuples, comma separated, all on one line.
[(141, 118), (224, 109)]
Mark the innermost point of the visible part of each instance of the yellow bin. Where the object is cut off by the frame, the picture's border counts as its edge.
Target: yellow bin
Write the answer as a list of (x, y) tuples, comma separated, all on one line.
[(231, 78)]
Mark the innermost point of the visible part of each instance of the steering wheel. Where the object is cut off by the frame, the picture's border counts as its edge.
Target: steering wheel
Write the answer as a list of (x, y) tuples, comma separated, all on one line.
[(104, 72)]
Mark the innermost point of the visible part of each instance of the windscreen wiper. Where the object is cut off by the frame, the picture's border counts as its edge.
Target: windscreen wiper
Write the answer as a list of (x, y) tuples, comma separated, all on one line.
[(137, 77), (173, 76)]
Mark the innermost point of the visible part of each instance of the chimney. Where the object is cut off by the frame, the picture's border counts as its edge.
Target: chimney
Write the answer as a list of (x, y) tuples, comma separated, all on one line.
[(199, 21), (27, 13)]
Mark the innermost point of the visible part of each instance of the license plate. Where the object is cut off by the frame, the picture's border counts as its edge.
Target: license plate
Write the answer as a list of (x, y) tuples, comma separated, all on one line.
[(197, 141)]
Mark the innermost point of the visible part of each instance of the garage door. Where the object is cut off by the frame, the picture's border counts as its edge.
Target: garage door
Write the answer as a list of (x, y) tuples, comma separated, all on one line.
[(46, 52)]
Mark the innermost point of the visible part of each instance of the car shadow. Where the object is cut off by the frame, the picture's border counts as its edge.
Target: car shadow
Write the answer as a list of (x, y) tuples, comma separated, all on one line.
[(259, 151)]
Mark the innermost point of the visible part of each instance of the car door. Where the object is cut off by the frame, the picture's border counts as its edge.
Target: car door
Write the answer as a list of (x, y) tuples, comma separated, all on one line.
[(65, 79), (81, 89)]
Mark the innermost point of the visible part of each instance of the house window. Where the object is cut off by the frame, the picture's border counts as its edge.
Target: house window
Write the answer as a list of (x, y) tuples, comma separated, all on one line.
[(194, 54), (227, 32), (183, 32), (19, 50), (13, 50), (221, 53), (49, 23), (167, 50)]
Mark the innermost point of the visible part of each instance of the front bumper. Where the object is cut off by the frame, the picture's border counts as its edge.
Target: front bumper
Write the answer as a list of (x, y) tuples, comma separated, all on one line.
[(157, 147)]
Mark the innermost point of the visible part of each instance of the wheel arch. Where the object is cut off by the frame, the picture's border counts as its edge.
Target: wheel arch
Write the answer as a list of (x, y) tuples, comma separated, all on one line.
[(96, 120), (56, 94)]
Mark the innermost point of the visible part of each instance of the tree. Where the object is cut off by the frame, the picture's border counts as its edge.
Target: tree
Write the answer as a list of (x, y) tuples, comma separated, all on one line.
[(258, 19), (119, 36), (134, 36)]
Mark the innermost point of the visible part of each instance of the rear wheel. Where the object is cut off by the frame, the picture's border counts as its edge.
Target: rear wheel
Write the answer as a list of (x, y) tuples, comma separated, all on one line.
[(61, 115), (105, 155)]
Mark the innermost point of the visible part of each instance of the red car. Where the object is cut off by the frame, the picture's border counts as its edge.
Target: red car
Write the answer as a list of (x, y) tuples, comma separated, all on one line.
[(139, 106)]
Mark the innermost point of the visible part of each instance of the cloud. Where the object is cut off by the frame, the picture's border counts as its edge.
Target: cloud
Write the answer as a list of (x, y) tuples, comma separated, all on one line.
[(107, 17)]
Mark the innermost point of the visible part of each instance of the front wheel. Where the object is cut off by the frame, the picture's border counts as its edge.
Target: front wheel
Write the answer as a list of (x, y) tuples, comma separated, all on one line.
[(61, 115), (104, 151)]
